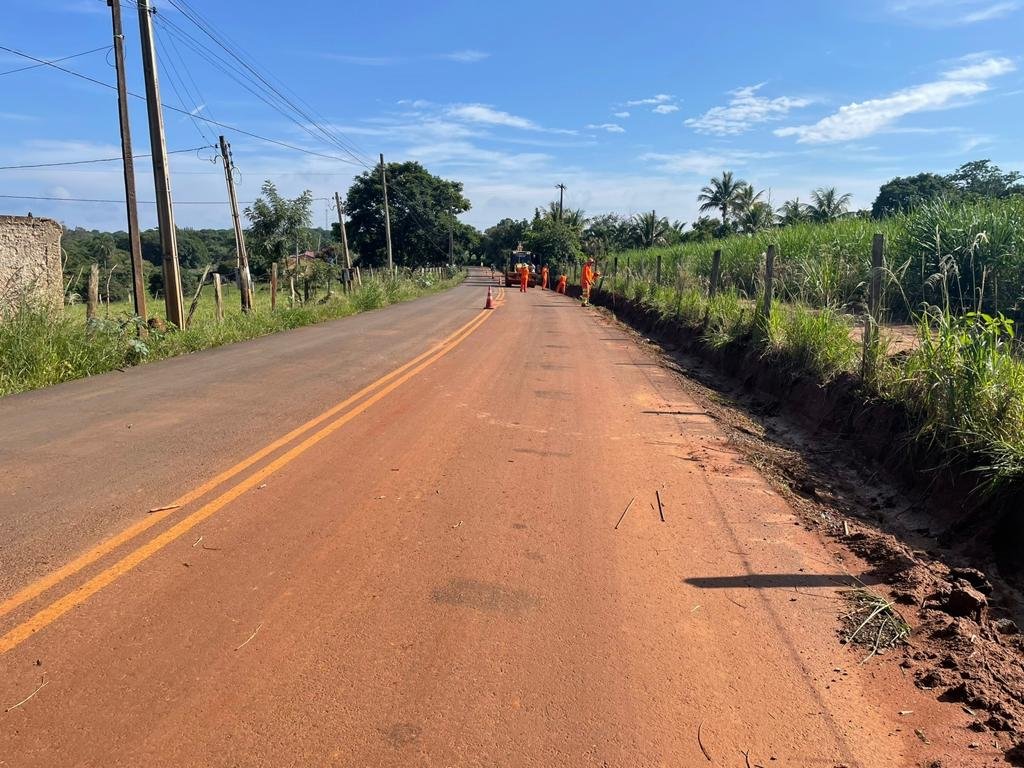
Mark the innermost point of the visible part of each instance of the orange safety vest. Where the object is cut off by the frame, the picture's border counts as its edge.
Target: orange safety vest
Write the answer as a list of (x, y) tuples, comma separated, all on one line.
[(587, 276)]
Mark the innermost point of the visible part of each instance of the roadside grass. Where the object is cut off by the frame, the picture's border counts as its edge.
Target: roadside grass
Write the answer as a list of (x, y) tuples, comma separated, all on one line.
[(38, 349), (962, 384)]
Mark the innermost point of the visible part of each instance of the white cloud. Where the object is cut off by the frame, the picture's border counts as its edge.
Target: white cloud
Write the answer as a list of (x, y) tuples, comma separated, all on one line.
[(661, 98), (951, 13), (700, 163), (621, 114), (609, 127), (860, 119), (482, 113), (745, 110), (468, 56), (665, 109), (362, 61)]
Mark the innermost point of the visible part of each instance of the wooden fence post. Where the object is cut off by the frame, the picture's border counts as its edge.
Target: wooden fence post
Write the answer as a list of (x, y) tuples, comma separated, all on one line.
[(657, 271), (873, 317), (359, 277), (273, 286), (716, 269), (218, 297), (94, 292), (769, 285)]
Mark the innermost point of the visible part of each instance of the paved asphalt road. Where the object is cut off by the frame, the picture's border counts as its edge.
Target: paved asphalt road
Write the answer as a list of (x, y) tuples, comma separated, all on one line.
[(390, 540)]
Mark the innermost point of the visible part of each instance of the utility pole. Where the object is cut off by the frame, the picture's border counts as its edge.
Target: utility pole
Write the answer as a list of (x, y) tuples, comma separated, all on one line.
[(451, 238), (341, 225), (561, 198), (242, 255), (161, 176), (134, 241), (387, 213)]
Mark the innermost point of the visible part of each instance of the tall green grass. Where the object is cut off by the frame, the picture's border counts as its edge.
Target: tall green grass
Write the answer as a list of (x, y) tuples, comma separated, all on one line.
[(38, 349)]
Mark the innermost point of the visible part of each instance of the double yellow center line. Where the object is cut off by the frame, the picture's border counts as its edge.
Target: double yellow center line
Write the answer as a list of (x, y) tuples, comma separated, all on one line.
[(348, 408)]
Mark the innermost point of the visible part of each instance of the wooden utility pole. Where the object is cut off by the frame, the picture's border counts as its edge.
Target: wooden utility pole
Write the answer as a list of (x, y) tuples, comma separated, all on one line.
[(161, 174), (242, 259), (93, 300), (716, 268), (134, 240), (561, 198), (451, 239), (387, 213), (341, 226), (273, 286)]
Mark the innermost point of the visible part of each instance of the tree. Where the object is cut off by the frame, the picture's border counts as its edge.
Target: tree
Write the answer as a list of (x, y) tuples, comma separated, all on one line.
[(279, 226), (721, 194), (605, 233), (756, 217), (980, 178), (904, 193), (746, 199), (502, 238), (574, 218), (557, 244), (651, 230), (703, 230), (828, 205), (422, 206), (793, 212)]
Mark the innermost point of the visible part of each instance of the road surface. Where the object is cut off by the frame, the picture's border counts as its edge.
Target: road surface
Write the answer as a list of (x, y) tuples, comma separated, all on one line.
[(390, 540)]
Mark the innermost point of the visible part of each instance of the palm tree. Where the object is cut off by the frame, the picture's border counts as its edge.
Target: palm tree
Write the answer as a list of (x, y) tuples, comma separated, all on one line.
[(756, 217), (828, 205), (650, 229), (721, 194), (793, 212), (746, 199), (574, 218)]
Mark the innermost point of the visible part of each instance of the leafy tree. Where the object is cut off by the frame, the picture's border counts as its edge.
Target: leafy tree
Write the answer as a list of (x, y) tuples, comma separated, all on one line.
[(756, 217), (555, 242), (980, 178), (746, 199), (279, 226), (793, 212), (650, 229), (422, 207), (722, 194), (828, 205), (605, 233), (503, 238), (703, 229), (574, 218), (904, 193)]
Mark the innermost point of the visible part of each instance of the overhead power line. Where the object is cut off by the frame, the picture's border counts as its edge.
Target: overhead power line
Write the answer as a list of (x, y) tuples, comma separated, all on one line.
[(117, 159), (54, 61)]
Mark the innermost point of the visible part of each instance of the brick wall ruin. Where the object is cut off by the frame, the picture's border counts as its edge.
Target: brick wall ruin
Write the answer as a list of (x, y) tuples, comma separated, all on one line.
[(30, 262)]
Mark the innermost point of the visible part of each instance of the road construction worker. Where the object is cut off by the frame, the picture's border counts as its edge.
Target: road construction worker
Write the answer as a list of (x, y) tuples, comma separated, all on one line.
[(544, 277), (587, 279), (524, 278), (562, 280)]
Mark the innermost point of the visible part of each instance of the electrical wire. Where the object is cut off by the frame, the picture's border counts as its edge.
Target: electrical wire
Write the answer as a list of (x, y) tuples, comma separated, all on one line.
[(118, 159), (54, 61)]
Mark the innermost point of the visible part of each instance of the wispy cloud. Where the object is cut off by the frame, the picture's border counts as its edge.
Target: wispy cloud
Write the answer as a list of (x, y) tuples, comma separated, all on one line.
[(622, 115), (468, 56), (483, 113), (745, 109), (699, 162), (859, 119), (951, 13), (363, 61), (661, 98), (665, 109), (609, 127)]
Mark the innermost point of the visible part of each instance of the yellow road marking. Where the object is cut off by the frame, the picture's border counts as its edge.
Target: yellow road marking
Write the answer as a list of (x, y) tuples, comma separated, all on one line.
[(86, 559), (76, 597)]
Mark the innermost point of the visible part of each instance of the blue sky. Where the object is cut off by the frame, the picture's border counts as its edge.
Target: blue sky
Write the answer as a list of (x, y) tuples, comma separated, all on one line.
[(632, 105)]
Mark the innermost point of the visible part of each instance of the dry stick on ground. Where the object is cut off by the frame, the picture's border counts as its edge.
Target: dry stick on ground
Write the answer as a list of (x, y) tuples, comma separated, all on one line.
[(624, 512), (661, 509), (700, 742), (42, 685), (164, 509), (250, 637)]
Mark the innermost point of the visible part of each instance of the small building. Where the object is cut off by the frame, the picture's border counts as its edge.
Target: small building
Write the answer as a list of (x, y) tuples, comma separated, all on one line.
[(31, 269)]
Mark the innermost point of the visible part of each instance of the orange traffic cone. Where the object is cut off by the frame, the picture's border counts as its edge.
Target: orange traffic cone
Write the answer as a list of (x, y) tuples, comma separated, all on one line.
[(490, 299)]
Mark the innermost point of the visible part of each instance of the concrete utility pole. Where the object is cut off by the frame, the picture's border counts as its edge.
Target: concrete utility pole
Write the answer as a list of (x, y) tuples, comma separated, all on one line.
[(561, 198), (134, 241), (387, 213), (161, 176), (244, 279), (341, 225), (451, 239)]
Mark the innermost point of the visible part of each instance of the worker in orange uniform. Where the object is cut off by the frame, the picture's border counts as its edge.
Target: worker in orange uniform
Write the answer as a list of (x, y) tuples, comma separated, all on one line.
[(562, 280), (524, 278), (544, 277), (587, 278)]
